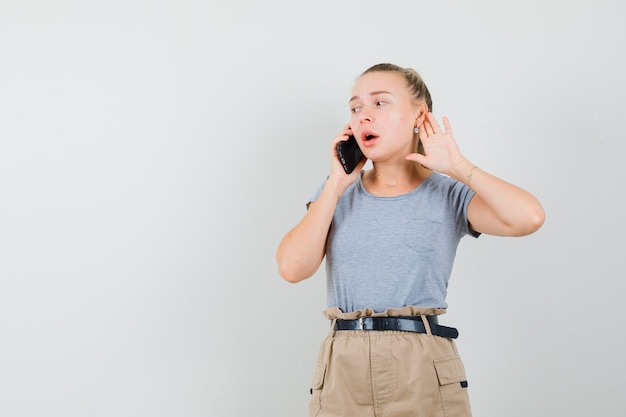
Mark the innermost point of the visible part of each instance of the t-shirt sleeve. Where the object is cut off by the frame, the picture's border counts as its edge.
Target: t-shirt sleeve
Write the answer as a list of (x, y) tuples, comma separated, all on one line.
[(462, 195), (317, 193)]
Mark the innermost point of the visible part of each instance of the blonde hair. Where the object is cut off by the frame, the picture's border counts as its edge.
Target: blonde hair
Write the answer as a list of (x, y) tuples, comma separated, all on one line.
[(416, 85)]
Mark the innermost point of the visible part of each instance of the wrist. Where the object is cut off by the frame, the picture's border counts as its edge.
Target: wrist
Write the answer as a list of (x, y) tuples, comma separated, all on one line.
[(469, 177), (334, 188), (463, 171)]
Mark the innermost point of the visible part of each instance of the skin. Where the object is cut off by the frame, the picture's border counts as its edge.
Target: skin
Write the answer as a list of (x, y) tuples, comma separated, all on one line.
[(382, 105)]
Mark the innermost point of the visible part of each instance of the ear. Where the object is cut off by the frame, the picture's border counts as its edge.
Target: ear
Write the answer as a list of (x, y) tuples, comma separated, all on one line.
[(422, 112)]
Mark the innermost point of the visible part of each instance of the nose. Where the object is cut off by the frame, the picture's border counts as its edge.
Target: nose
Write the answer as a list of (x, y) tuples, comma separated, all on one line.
[(365, 116)]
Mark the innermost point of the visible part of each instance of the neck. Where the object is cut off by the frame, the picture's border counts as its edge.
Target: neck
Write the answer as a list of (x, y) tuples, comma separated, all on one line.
[(395, 179), (394, 175)]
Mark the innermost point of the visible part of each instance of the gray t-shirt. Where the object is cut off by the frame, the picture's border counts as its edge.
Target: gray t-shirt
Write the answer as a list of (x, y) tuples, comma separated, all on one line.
[(391, 252)]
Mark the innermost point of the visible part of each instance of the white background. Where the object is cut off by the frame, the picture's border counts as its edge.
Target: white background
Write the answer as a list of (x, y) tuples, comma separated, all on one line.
[(153, 154)]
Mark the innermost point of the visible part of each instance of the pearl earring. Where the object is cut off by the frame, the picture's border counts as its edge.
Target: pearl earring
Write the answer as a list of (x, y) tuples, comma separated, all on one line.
[(416, 130)]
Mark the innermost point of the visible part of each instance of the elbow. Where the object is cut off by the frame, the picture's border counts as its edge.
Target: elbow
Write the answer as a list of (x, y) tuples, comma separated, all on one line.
[(537, 219), (534, 221), (296, 264), (291, 272), (286, 273)]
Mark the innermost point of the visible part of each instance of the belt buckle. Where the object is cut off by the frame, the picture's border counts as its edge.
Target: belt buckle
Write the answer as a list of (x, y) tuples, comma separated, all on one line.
[(360, 323)]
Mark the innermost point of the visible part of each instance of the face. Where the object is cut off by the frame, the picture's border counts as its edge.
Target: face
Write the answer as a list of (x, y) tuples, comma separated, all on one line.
[(384, 114)]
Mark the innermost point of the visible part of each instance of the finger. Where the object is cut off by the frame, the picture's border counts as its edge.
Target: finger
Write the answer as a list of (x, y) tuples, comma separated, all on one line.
[(427, 128), (433, 122), (336, 142), (416, 157), (422, 134), (342, 137), (446, 125)]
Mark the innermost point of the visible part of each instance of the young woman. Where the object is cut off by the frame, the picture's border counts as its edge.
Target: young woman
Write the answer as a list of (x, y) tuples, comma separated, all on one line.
[(389, 236)]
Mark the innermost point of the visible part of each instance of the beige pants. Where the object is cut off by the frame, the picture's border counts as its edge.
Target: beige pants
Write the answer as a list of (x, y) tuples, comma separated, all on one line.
[(388, 373)]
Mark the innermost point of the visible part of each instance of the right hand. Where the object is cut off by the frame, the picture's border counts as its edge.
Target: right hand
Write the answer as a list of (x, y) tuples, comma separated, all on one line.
[(337, 172)]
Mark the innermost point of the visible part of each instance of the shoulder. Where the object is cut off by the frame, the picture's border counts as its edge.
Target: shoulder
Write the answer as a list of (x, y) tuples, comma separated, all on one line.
[(442, 187), (442, 182)]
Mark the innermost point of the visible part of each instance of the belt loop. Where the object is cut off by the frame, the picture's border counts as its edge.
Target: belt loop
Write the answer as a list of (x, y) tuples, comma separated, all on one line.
[(426, 325), (332, 327)]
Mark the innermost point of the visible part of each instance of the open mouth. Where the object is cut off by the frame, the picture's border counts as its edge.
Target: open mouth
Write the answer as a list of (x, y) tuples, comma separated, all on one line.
[(369, 136)]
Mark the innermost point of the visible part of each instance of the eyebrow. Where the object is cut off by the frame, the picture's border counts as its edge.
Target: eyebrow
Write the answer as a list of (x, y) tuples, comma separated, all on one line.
[(373, 93)]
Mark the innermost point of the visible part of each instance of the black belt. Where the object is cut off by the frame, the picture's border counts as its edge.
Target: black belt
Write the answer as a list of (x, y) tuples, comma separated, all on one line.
[(404, 324)]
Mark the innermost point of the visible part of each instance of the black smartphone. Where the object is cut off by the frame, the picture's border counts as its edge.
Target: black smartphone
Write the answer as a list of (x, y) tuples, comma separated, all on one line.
[(349, 154)]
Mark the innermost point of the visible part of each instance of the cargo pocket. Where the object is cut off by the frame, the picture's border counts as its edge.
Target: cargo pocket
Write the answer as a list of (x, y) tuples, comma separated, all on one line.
[(453, 387), (317, 383)]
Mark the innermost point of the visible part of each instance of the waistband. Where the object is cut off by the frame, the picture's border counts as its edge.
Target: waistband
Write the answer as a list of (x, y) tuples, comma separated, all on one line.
[(336, 313)]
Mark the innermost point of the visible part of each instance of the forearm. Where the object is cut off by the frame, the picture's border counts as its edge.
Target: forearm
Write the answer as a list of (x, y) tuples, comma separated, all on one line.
[(516, 211), (301, 251)]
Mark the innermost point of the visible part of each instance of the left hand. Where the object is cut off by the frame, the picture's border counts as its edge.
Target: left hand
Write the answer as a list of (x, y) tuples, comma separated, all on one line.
[(442, 153)]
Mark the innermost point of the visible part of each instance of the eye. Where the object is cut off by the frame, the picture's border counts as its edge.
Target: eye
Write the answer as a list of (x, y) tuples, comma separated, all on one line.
[(380, 103), (355, 109)]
